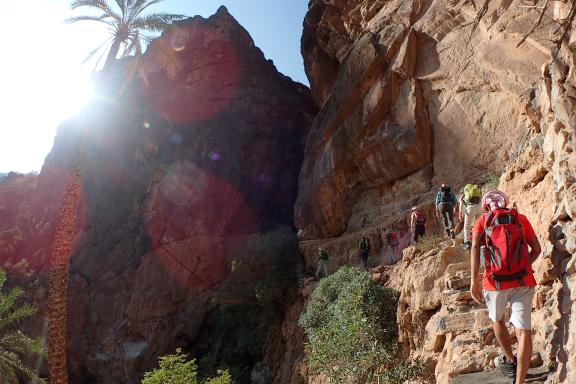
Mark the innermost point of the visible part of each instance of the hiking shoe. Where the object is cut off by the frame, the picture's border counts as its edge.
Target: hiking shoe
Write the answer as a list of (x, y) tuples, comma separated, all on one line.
[(467, 245), (452, 236), (507, 368)]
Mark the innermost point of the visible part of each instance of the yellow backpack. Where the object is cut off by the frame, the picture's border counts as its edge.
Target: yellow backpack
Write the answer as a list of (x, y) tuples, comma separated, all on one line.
[(472, 194)]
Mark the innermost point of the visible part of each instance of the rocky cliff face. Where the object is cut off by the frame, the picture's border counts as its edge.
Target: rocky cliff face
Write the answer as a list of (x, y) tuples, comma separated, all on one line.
[(197, 155), (411, 97), (412, 101)]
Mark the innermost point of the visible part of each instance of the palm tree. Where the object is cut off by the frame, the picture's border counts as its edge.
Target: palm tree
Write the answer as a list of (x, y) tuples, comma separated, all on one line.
[(14, 345), (125, 28), (125, 24)]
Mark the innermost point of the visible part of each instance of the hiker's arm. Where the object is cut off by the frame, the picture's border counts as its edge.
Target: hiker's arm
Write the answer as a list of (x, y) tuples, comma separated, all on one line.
[(475, 289), (535, 249)]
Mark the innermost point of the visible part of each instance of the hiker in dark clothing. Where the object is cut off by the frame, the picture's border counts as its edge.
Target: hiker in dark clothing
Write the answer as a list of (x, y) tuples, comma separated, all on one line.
[(322, 262), (446, 204), (417, 224), (364, 250)]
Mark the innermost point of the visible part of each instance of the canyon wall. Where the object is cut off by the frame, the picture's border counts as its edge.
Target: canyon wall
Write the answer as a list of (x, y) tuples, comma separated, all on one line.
[(412, 98), (184, 158), (412, 95)]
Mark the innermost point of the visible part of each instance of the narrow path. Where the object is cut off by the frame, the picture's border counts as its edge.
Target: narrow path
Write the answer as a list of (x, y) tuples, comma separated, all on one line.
[(535, 376)]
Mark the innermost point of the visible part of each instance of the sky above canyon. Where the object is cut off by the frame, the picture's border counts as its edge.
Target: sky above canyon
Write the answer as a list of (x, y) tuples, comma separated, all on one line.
[(43, 80)]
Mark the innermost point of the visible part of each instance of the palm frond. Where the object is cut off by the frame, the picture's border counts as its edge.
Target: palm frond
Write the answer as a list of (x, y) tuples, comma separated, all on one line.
[(14, 344), (18, 342), (135, 44), (101, 19), (7, 300), (139, 5), (122, 5), (102, 54), (98, 4), (126, 29), (156, 22), (145, 5), (10, 362), (167, 58), (95, 50)]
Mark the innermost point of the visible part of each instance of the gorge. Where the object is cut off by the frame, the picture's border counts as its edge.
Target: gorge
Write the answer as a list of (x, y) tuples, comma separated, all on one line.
[(193, 162)]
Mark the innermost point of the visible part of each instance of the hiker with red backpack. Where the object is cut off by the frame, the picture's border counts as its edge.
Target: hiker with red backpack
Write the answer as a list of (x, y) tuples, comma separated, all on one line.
[(506, 241), (469, 210), (446, 208), (417, 223), (392, 241)]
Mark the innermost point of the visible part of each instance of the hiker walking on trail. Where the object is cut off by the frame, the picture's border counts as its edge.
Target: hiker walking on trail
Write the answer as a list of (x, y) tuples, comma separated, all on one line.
[(364, 250), (508, 244), (445, 208), (469, 210), (392, 241), (322, 262), (417, 224)]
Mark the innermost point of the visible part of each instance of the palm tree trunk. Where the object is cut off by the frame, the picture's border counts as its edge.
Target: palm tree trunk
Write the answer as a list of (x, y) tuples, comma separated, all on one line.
[(58, 281), (112, 54)]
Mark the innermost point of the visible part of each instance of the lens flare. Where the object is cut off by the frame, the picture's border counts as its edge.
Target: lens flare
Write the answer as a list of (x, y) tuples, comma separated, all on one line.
[(195, 220), (195, 79)]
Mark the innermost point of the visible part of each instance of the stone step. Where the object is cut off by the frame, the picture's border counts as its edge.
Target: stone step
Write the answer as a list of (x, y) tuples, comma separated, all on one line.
[(535, 376)]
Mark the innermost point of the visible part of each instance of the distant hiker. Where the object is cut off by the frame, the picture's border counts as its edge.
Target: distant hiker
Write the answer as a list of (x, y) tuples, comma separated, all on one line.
[(364, 250), (445, 208), (502, 237), (469, 210), (417, 223), (322, 262), (392, 241)]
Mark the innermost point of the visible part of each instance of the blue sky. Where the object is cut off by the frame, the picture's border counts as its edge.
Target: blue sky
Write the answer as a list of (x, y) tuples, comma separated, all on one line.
[(42, 81)]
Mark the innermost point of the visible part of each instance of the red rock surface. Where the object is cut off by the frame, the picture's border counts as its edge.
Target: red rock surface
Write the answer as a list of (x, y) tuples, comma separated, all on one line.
[(177, 173)]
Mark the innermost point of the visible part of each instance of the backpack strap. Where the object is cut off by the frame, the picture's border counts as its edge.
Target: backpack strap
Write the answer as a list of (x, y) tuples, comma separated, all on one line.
[(488, 218), (521, 244)]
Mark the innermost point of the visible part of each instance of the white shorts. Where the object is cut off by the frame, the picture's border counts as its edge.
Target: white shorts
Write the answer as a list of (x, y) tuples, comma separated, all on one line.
[(520, 300)]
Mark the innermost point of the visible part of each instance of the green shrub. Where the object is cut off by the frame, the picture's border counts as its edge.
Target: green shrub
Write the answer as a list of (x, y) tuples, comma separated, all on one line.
[(401, 373), (351, 326), (174, 369), (490, 181), (429, 242)]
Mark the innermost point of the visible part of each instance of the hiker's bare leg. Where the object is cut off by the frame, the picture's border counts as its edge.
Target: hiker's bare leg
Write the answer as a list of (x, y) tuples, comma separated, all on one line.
[(503, 337), (524, 337)]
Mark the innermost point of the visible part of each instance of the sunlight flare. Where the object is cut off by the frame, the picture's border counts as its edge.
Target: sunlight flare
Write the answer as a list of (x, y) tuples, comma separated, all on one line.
[(42, 84)]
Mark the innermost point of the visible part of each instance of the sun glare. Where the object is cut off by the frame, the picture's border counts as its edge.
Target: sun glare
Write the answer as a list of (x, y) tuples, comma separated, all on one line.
[(42, 81)]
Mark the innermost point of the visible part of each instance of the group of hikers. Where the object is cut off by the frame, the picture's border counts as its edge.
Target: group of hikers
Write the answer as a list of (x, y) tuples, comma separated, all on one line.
[(447, 205), (502, 241), (364, 250)]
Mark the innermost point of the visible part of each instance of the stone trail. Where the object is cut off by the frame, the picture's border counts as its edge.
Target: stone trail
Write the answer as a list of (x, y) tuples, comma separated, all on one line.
[(535, 376)]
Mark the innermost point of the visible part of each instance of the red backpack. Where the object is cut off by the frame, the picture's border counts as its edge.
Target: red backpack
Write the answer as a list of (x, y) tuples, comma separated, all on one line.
[(420, 217), (392, 238), (506, 251)]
